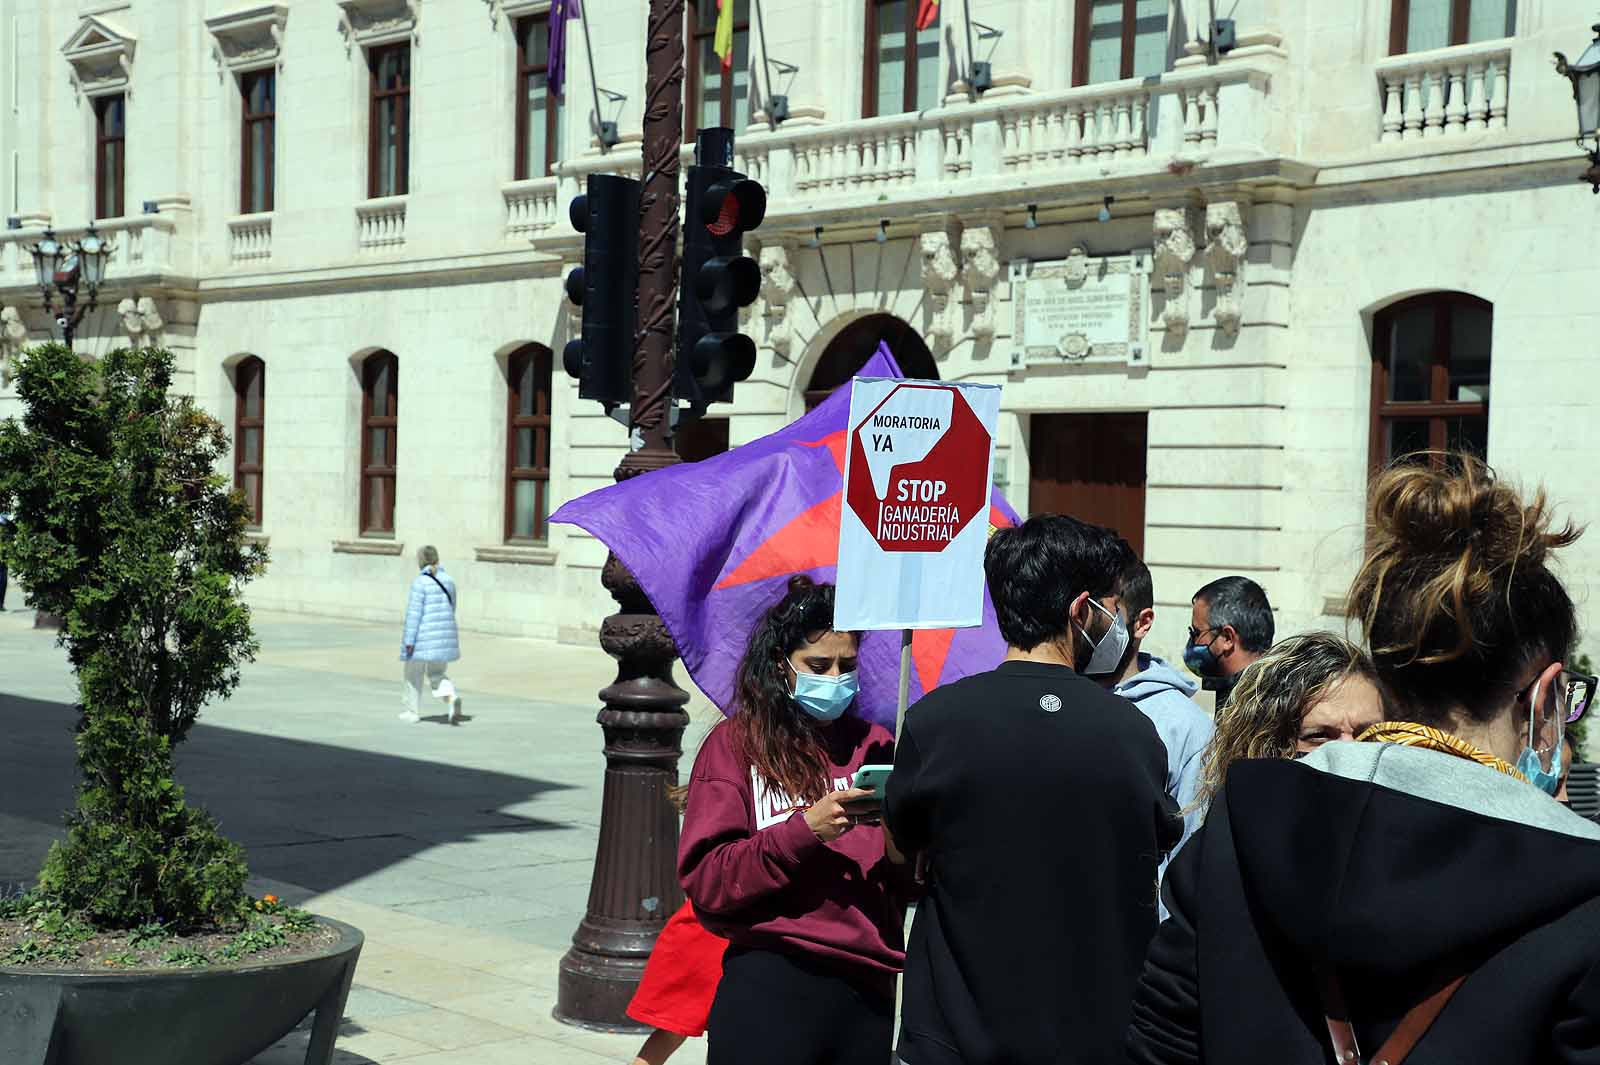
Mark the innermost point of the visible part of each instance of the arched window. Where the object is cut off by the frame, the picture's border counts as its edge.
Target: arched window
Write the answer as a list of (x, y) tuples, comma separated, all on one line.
[(528, 443), (380, 420), (857, 342), (249, 421), (1430, 376)]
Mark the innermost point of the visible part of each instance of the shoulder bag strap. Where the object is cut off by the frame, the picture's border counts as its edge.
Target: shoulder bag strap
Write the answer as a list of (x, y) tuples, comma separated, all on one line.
[(1413, 1026), (443, 589)]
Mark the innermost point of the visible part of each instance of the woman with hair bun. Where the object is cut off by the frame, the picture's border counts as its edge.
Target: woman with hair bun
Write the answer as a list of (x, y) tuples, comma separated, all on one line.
[(784, 858), (1417, 890)]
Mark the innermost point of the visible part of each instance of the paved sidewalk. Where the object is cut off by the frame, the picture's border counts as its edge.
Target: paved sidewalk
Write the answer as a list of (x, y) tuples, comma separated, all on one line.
[(463, 852)]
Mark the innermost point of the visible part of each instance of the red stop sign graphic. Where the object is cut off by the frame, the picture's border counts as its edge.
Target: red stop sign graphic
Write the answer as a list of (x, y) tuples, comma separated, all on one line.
[(931, 500)]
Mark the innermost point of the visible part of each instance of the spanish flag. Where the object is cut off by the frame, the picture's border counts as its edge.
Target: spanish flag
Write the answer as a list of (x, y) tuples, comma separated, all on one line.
[(927, 13), (722, 43)]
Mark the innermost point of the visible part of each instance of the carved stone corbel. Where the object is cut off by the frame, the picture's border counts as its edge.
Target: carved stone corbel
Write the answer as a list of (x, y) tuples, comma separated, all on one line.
[(777, 285), (939, 273), (142, 321), (13, 338), (980, 268), (1227, 247), (1174, 250)]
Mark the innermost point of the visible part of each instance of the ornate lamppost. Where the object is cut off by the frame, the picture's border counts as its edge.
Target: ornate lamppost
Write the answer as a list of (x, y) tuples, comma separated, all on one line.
[(1585, 78), (63, 268)]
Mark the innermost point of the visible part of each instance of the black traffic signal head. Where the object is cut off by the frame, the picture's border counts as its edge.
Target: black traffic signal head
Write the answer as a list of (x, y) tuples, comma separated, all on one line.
[(606, 287), (718, 279)]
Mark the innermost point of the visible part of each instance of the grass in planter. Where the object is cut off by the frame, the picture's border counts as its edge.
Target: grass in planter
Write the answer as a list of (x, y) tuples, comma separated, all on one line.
[(34, 935)]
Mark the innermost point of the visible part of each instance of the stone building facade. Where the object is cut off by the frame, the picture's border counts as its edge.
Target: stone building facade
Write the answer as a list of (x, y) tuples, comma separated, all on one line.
[(1330, 242)]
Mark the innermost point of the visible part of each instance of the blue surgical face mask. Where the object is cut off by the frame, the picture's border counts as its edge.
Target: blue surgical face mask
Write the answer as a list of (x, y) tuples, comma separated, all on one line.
[(1547, 781), (825, 698), (1111, 646)]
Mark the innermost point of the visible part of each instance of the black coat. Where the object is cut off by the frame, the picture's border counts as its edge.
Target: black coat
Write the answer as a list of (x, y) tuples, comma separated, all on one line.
[(1398, 893), (1040, 800)]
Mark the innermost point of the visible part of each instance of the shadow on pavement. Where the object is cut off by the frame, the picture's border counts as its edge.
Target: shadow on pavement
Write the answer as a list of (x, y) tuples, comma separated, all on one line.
[(310, 814)]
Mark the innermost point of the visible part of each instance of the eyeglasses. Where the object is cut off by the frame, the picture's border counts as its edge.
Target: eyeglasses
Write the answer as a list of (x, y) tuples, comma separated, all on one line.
[(1574, 693), (1194, 633)]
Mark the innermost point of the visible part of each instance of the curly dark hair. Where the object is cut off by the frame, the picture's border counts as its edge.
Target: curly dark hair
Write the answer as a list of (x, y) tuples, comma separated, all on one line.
[(769, 729)]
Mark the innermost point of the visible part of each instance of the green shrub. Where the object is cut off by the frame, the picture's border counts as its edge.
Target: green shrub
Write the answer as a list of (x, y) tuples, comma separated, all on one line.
[(123, 527)]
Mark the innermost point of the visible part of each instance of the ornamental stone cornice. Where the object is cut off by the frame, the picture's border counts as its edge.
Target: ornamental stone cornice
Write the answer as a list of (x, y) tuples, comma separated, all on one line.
[(101, 55), (515, 9), (368, 23), (249, 37)]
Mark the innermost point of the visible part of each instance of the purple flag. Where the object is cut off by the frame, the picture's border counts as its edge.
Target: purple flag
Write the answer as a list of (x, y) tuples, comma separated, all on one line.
[(556, 58), (714, 544)]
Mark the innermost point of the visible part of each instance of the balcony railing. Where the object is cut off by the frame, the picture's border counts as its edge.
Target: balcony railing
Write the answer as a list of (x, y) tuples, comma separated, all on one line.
[(1445, 92), (530, 206), (141, 245), (250, 238), (381, 223)]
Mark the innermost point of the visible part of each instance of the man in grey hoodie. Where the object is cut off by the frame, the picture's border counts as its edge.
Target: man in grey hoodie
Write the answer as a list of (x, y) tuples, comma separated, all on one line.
[(1162, 694)]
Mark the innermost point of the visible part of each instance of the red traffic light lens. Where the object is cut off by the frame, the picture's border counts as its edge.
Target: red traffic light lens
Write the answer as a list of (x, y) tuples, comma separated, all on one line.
[(733, 205)]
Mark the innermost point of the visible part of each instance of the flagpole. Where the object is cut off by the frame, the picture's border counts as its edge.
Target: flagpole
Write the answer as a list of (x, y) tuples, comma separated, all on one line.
[(594, 82), (903, 696), (766, 65)]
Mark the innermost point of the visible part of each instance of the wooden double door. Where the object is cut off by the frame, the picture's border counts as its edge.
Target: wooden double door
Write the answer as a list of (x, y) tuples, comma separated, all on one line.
[(1092, 467)]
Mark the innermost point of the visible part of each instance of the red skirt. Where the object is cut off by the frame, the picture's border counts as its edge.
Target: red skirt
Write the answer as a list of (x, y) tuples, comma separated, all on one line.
[(681, 977)]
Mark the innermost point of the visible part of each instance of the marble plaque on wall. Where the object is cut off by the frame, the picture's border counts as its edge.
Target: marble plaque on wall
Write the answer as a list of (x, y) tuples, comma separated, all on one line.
[(1080, 309)]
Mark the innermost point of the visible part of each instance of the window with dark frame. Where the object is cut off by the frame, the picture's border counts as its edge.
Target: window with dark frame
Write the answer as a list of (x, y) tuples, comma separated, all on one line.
[(259, 90), (1422, 25), (708, 99), (902, 62), (1118, 39), (528, 444), (1430, 377), (110, 155), (380, 420), (540, 113), (249, 421), (389, 121)]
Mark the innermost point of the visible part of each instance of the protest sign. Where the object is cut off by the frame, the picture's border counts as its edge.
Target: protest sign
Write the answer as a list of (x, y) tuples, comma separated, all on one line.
[(918, 465)]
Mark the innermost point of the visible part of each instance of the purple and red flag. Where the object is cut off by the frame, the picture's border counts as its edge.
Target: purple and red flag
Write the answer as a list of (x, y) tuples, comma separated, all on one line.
[(556, 55), (714, 544)]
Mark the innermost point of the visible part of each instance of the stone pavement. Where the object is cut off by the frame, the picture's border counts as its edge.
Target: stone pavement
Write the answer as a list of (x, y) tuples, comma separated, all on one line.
[(462, 852)]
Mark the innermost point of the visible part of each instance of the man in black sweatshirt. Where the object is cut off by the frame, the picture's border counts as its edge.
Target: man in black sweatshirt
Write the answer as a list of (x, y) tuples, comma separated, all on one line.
[(1039, 801)]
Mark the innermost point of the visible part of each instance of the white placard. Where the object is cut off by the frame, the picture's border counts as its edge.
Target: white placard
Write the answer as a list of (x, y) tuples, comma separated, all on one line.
[(919, 456)]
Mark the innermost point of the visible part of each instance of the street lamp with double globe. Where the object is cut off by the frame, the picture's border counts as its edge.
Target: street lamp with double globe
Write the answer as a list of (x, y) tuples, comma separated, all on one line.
[(63, 268)]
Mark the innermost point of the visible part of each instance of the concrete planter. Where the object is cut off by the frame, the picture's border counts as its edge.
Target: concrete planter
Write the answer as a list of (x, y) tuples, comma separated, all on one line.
[(222, 1015)]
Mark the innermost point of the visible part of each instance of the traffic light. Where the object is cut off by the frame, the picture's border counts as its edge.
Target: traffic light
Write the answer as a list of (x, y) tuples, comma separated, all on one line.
[(718, 278), (606, 287)]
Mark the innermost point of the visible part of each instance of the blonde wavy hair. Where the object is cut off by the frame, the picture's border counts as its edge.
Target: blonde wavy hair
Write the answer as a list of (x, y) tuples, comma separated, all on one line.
[(1262, 717)]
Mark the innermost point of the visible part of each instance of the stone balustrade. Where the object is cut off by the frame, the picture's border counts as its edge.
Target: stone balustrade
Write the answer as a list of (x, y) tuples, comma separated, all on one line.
[(250, 238), (1191, 114), (1444, 92), (381, 223), (531, 206), (141, 246)]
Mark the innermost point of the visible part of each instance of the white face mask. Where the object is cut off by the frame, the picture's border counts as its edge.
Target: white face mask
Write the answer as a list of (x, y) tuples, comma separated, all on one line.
[(1109, 650)]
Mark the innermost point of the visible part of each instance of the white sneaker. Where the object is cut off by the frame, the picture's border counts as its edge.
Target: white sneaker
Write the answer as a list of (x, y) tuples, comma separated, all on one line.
[(410, 716), (455, 710)]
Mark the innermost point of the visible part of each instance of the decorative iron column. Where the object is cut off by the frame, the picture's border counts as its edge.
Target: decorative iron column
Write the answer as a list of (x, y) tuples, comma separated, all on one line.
[(635, 883)]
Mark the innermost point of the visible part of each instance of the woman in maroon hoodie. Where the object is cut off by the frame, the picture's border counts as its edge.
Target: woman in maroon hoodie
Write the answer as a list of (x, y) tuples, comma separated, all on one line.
[(775, 861)]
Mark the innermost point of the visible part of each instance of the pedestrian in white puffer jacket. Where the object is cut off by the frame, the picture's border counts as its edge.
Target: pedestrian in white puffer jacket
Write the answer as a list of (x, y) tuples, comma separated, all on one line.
[(430, 639)]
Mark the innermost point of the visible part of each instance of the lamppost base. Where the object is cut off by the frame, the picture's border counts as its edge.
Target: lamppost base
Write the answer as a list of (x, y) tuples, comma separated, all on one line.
[(595, 988)]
